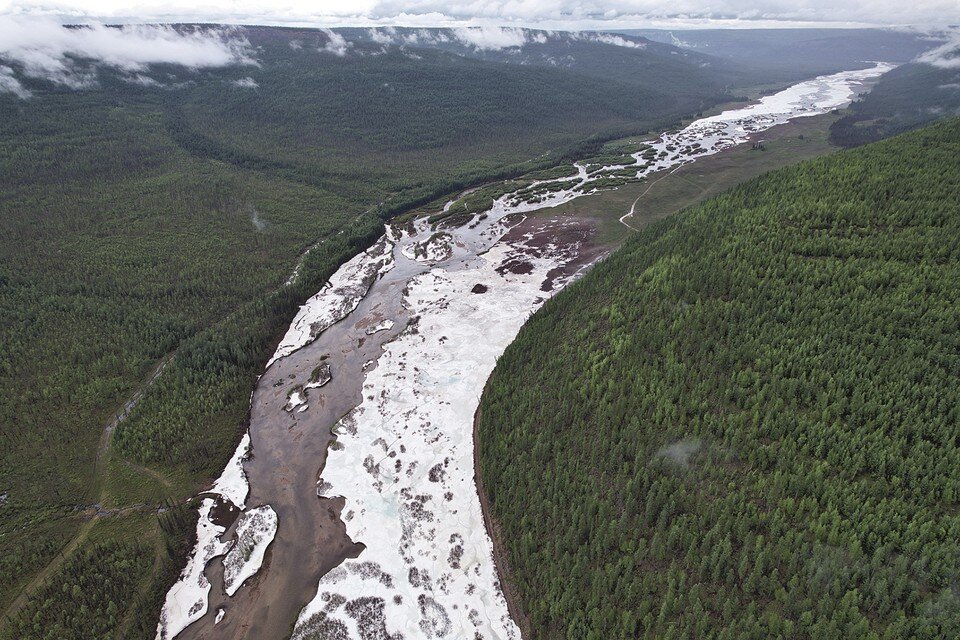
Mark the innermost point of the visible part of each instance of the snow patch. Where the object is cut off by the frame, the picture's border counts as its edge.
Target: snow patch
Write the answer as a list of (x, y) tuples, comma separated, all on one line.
[(711, 135), (255, 531), (337, 298), (386, 325), (295, 400), (436, 248), (232, 484), (427, 570), (186, 601)]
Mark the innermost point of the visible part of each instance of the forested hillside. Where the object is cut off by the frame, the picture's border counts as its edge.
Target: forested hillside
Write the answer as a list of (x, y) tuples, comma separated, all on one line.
[(743, 424)]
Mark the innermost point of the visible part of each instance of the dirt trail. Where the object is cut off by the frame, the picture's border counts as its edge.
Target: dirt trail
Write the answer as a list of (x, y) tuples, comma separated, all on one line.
[(97, 486), (106, 437)]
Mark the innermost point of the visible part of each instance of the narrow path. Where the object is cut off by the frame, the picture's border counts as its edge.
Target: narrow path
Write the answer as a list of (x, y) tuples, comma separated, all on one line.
[(628, 214), (103, 450), (97, 487), (48, 570)]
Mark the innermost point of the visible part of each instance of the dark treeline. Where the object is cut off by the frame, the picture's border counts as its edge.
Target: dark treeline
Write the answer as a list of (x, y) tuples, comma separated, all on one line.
[(193, 414), (743, 424)]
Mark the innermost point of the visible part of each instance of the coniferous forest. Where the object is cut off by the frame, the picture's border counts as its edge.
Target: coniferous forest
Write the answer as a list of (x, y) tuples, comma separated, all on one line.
[(744, 423)]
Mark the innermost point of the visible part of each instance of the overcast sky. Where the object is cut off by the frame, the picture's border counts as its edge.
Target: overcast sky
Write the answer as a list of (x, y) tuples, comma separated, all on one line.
[(551, 14)]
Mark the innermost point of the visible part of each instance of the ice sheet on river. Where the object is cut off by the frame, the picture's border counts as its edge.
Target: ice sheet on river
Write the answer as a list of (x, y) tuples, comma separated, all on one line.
[(255, 531), (341, 295), (232, 483), (186, 601), (406, 466)]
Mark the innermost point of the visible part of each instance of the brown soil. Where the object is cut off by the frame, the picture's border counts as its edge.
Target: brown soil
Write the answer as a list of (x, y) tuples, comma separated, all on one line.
[(519, 267), (575, 234), (224, 513)]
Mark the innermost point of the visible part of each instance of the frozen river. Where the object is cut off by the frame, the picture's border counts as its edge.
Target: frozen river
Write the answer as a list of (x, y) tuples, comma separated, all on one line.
[(354, 513)]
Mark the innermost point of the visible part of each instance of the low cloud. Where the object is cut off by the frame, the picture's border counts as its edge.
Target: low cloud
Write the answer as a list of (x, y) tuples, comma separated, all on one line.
[(570, 15), (617, 41), (946, 56), (680, 452), (383, 36), (40, 48), (246, 83), (480, 38), (10, 84), (336, 43), (143, 80), (414, 38), (491, 38)]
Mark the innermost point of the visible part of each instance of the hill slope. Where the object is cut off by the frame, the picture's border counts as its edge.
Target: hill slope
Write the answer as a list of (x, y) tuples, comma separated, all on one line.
[(149, 221), (744, 423)]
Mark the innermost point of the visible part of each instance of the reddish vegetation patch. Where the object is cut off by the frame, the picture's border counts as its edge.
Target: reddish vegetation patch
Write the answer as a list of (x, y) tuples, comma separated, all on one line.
[(571, 236), (519, 267)]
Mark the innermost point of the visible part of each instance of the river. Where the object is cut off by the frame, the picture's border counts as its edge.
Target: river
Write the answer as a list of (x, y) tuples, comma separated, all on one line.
[(350, 509)]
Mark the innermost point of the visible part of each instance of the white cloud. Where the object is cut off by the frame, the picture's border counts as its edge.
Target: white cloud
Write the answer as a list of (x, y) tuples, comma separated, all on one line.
[(42, 48), (609, 38), (571, 15), (491, 38), (246, 83), (336, 43), (618, 41), (10, 84), (946, 56), (486, 38), (383, 36), (574, 14), (141, 79)]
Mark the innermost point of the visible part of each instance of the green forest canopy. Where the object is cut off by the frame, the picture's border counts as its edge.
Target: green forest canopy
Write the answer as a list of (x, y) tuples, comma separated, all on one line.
[(744, 423)]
